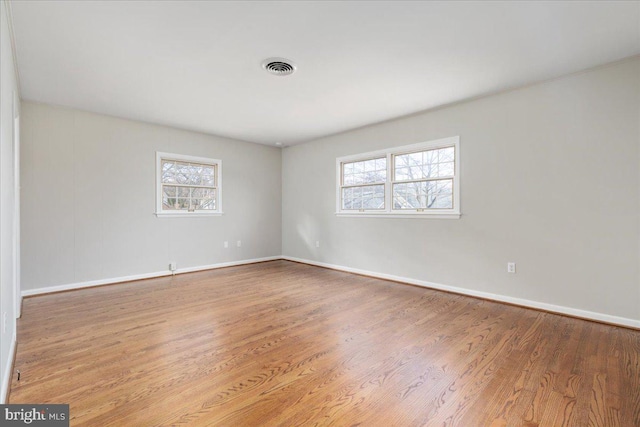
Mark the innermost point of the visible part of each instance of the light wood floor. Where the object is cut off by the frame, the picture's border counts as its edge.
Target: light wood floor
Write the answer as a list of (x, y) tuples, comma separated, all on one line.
[(288, 344)]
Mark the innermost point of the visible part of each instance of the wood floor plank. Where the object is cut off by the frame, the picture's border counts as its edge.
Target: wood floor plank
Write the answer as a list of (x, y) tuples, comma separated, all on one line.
[(282, 343)]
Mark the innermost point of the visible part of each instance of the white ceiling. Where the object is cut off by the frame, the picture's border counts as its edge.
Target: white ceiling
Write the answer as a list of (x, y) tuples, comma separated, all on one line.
[(196, 65)]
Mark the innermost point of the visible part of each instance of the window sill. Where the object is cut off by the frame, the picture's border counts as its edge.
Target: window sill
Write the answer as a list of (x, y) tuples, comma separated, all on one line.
[(186, 214), (411, 215)]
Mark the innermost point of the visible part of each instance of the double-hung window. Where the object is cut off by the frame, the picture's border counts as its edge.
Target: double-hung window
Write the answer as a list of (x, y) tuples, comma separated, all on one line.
[(187, 185), (363, 184), (418, 180)]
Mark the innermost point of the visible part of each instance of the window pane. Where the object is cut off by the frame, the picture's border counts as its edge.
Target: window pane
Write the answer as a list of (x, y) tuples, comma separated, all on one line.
[(167, 203), (415, 159), (347, 168), (425, 164), (415, 172), (200, 193), (358, 178), (179, 203), (408, 167), (184, 192), (444, 186), (410, 195), (374, 203), (365, 197), (442, 201), (430, 170), (167, 165), (182, 173), (402, 174), (181, 178), (169, 191), (423, 195), (207, 204), (431, 156), (401, 161), (203, 204), (187, 198), (364, 172), (349, 204), (168, 197), (208, 180), (446, 155), (368, 192), (380, 175), (168, 172), (370, 166), (445, 169)]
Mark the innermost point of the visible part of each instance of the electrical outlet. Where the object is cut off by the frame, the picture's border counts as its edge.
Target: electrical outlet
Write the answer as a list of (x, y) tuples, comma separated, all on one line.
[(511, 267), (239, 243), (173, 266), (226, 244), (317, 243)]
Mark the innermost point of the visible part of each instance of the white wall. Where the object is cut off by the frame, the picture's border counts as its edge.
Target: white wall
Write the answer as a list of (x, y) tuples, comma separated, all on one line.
[(88, 199), (8, 87), (550, 180)]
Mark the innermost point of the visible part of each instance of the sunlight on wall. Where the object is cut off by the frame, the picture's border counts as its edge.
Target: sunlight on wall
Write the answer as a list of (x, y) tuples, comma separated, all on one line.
[(307, 229)]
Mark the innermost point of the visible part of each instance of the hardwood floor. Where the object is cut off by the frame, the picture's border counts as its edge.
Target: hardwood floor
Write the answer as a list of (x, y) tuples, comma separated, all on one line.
[(281, 343)]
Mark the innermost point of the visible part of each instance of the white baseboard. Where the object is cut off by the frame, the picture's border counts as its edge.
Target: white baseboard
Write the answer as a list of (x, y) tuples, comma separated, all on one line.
[(4, 392), (573, 312), (111, 281), (569, 311)]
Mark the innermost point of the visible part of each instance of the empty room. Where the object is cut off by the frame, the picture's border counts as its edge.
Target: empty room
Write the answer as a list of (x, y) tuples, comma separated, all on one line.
[(313, 213)]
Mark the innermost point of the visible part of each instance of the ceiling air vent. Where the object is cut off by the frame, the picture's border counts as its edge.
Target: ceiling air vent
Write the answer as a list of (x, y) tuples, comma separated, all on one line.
[(279, 66)]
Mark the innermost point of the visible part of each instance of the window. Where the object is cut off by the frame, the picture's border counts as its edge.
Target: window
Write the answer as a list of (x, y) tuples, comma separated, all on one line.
[(419, 180), (424, 179), (363, 184), (187, 185)]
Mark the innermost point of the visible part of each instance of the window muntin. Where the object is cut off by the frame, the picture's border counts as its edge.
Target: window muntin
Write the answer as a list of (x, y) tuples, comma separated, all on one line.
[(363, 184), (188, 185), (416, 180)]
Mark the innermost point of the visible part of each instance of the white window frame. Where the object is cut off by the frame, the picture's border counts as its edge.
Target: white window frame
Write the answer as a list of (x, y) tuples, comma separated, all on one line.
[(160, 212), (389, 212)]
